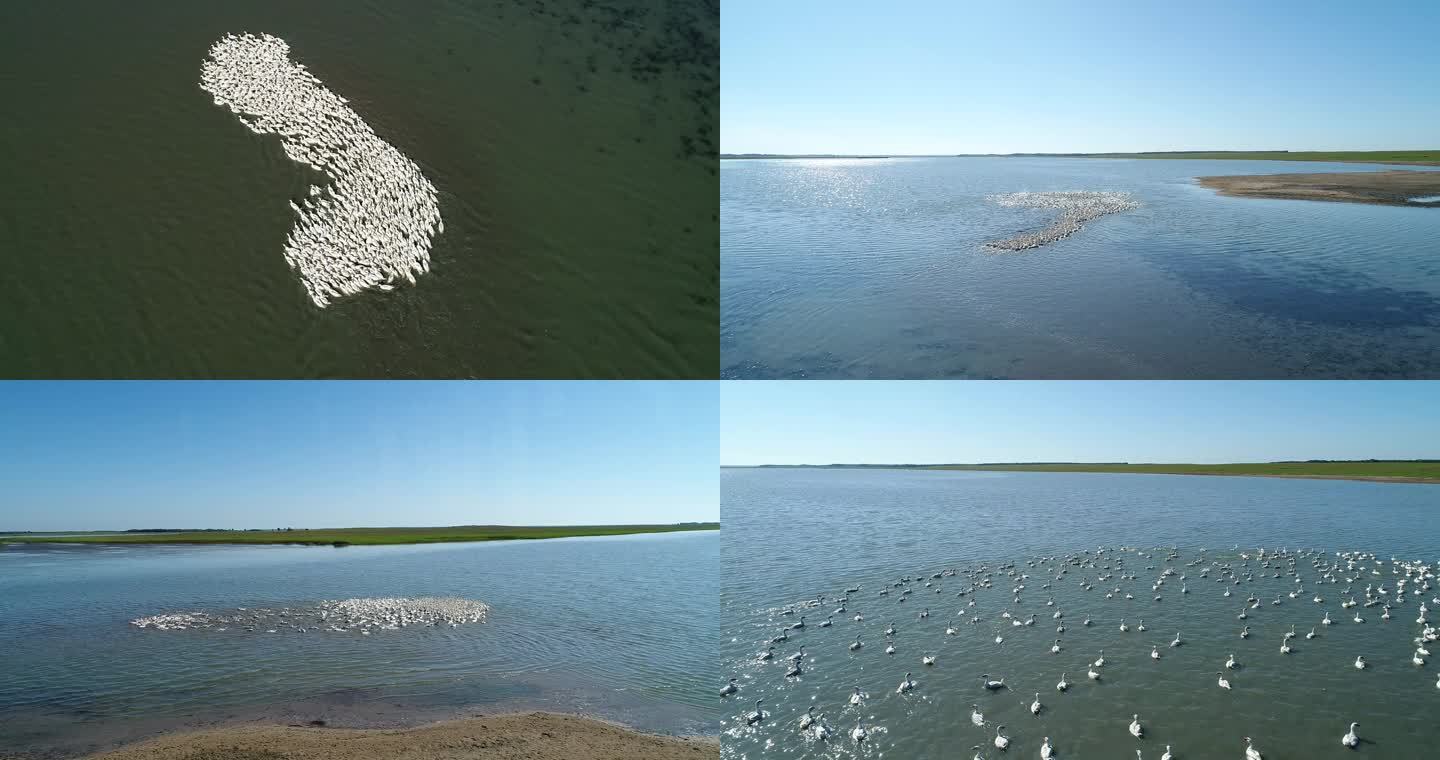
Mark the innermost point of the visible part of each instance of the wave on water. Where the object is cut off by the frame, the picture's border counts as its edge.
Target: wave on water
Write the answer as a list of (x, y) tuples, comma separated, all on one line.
[(1076, 209), (363, 615), (373, 225)]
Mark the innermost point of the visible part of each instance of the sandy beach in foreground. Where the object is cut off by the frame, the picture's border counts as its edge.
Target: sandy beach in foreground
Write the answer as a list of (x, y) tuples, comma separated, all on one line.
[(531, 736)]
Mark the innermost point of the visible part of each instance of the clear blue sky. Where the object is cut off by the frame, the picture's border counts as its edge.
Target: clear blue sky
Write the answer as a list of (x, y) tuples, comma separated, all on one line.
[(951, 76), (115, 455), (894, 422)]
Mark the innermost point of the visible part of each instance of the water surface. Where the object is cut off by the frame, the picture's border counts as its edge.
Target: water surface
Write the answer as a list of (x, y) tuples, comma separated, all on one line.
[(877, 268), (617, 640), (792, 535), (143, 227)]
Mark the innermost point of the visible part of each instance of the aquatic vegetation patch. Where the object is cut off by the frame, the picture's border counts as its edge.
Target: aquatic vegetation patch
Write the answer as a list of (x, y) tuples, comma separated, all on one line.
[(373, 225), (1076, 208), (336, 616)]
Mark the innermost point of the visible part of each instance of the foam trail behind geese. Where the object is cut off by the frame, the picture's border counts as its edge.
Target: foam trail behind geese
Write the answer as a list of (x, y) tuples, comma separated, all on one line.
[(373, 225)]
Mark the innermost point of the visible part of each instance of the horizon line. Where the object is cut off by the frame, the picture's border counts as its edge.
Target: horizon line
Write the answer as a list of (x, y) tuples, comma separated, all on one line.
[(364, 527)]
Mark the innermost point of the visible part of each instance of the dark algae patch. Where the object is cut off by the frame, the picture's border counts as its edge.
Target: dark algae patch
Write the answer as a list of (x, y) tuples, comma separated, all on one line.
[(572, 146)]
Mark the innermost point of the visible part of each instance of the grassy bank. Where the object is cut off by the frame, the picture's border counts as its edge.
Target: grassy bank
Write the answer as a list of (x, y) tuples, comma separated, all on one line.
[(1421, 471), (362, 536), (1418, 157)]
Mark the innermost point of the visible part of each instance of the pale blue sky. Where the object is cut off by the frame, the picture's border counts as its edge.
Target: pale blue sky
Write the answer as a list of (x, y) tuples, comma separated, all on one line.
[(952, 76), (892, 422), (118, 455)]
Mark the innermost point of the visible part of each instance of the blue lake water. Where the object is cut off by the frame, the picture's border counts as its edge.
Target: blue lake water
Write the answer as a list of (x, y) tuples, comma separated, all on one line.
[(793, 535), (876, 268), (602, 626)]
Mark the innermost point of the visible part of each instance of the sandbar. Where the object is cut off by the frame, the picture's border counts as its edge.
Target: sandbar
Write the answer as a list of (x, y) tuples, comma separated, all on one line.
[(532, 736), (1388, 188)]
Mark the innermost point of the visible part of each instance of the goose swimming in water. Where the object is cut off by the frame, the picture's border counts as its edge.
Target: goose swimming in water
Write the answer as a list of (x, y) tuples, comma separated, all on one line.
[(797, 656), (857, 697), (1045, 751), (1250, 752), (1230, 664), (1062, 685), (808, 719), (1310, 635), (1100, 661), (1350, 739), (976, 716), (928, 659), (1221, 680), (992, 685), (1360, 662), (905, 685), (1326, 619), (730, 688), (1245, 632), (1285, 646), (1055, 648), (1177, 641), (1136, 730), (1093, 674), (754, 716), (1167, 755), (829, 621), (856, 644), (1001, 740), (1035, 706), (857, 734)]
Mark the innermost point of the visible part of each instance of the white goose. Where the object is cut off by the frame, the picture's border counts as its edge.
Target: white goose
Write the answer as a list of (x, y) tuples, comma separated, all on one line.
[(928, 659), (1250, 752), (1001, 740), (754, 716), (1063, 685), (1100, 661), (976, 716), (1035, 706), (857, 697), (730, 688), (1045, 751), (1221, 680), (808, 720), (1360, 662), (905, 685), (857, 734), (856, 644), (1167, 755), (1311, 634), (1350, 739), (1136, 730), (1154, 653)]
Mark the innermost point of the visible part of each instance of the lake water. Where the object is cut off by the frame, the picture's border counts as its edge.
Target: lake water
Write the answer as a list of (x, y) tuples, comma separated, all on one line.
[(572, 147), (602, 626), (877, 269), (792, 535)]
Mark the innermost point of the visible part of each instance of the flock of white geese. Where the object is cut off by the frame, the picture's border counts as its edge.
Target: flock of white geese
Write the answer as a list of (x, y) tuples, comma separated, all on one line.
[(372, 225), (1364, 586), (365, 616)]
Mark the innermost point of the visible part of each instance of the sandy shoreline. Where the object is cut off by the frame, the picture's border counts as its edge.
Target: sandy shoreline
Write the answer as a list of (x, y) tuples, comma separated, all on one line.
[(531, 736), (1388, 188)]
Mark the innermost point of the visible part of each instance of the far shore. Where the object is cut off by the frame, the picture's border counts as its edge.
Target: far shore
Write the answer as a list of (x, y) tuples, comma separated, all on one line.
[(341, 537), (527, 736), (1400, 157), (1372, 471), (1387, 188)]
